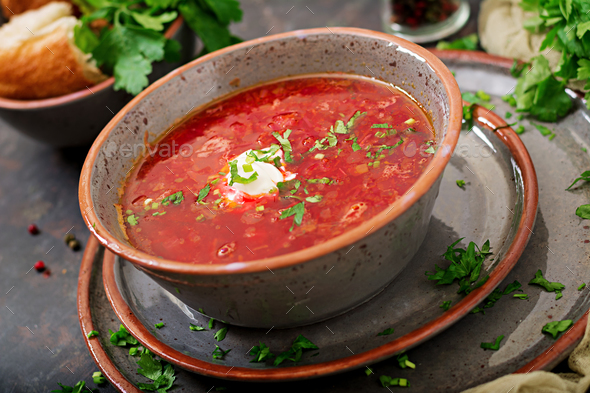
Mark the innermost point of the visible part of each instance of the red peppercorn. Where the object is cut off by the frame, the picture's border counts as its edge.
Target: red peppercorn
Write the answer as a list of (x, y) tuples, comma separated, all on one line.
[(40, 266), (33, 230)]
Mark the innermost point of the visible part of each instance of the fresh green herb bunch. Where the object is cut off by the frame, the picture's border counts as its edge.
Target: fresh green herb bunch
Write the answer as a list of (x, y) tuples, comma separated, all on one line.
[(133, 37), (566, 24)]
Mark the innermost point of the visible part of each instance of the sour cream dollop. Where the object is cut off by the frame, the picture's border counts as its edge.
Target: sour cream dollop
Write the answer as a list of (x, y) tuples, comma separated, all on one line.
[(267, 174)]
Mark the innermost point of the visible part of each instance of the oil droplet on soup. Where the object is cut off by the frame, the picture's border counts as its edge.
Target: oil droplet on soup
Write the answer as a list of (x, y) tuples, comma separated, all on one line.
[(276, 168)]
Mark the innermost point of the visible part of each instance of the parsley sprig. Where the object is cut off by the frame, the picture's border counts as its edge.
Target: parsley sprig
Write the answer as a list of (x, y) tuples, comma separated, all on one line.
[(135, 37)]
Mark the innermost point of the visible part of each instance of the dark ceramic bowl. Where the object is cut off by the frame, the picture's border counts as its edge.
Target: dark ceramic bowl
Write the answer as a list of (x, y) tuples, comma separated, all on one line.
[(344, 271), (75, 119)]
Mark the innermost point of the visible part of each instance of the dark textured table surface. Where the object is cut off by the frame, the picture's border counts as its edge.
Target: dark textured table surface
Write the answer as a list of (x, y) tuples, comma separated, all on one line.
[(40, 338)]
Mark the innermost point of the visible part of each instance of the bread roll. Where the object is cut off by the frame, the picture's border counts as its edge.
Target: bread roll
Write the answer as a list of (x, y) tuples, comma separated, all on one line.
[(15, 7), (38, 57)]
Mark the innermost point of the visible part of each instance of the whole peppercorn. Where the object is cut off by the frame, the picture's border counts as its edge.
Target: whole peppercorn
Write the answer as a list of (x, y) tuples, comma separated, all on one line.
[(33, 230), (74, 244), (39, 266), (68, 238)]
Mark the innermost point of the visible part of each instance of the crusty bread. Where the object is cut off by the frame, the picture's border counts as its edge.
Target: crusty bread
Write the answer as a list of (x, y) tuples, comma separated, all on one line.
[(38, 58), (15, 7)]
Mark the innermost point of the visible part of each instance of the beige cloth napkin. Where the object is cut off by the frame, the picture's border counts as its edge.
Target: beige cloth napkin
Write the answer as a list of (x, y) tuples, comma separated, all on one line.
[(547, 382), (501, 33)]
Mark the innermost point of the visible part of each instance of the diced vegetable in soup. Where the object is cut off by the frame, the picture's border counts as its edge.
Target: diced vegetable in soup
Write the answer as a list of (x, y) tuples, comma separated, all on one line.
[(275, 169)]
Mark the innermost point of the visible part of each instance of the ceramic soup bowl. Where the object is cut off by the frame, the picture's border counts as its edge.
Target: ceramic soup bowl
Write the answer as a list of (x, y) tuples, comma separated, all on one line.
[(308, 285)]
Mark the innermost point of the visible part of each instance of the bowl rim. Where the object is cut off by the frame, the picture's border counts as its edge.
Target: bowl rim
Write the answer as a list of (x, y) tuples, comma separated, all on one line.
[(9, 103), (426, 180)]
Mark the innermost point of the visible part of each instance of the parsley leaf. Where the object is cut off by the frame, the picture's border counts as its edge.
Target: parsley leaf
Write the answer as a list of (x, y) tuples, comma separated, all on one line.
[(353, 119), (314, 199), (219, 353), (294, 354), (446, 305), (159, 325), (98, 378), (497, 295), (162, 376), (522, 296), (297, 211), (261, 353), (69, 389), (92, 333), (549, 286), (584, 176), (556, 327), (386, 332), (583, 212), (582, 286), (384, 125), (196, 328), (466, 43), (285, 144), (220, 334), (122, 337), (132, 219), (355, 145), (493, 346), (235, 176), (204, 192), (175, 198), (460, 183)]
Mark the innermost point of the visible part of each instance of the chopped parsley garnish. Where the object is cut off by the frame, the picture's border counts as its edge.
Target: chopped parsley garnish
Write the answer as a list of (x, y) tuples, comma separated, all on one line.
[(162, 376), (446, 305), (93, 333), (403, 361), (158, 213), (493, 346), (175, 198), (583, 212), (522, 296), (122, 337), (159, 325), (135, 351), (478, 98), (314, 199), (461, 183), (549, 286), (211, 323), (430, 150), (556, 327), (388, 381), (353, 119), (132, 219), (98, 378), (297, 212), (196, 328), (468, 115), (369, 371), (219, 353), (585, 176), (384, 125), (220, 334), (261, 353), (519, 130), (286, 145), (69, 389), (323, 180), (465, 267), (236, 178), (582, 286), (204, 192), (508, 115), (355, 145), (386, 332), (544, 130), (466, 43), (497, 295), (294, 354)]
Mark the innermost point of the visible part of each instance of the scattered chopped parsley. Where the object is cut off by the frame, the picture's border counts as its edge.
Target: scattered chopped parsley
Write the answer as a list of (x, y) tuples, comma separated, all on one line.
[(314, 199), (135, 351), (480, 98), (132, 219), (482, 95), (585, 176), (465, 267), (211, 322), (261, 353), (235, 176), (582, 286), (219, 353), (556, 327), (386, 332), (294, 354), (175, 198), (158, 213), (384, 125), (493, 346), (544, 130), (369, 371), (466, 43), (509, 98), (220, 334), (353, 119), (297, 212), (355, 145), (430, 150), (196, 328), (69, 389), (159, 325), (508, 115), (519, 130), (93, 333), (98, 378), (323, 180), (404, 362), (460, 183), (522, 296), (446, 305), (204, 192), (122, 337), (497, 295), (583, 212), (162, 376), (388, 381), (549, 286), (285, 144)]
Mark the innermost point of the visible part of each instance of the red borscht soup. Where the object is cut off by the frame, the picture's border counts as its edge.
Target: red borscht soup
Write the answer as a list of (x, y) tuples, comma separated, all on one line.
[(275, 168)]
